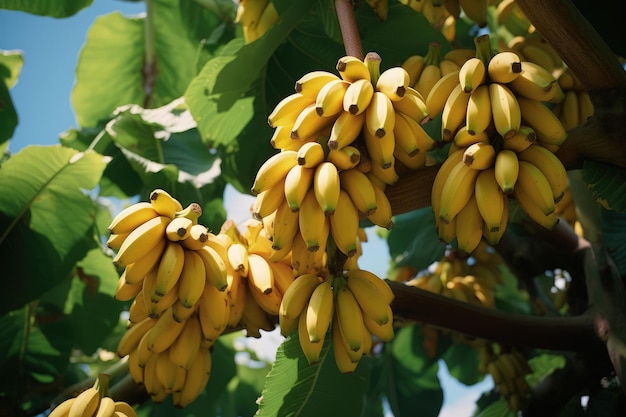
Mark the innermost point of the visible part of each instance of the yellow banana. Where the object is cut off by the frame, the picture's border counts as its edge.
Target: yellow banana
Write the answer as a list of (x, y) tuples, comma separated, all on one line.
[(536, 213), (469, 226), (344, 224), (273, 170), (86, 403), (326, 186), (463, 139), (215, 267), (312, 222), (536, 186), (410, 137), (380, 115), (197, 378), (249, 11), (285, 228), (570, 115), (550, 166), (132, 217), (505, 110), (345, 130), (369, 298), (287, 110), (164, 204), (349, 317), (106, 407), (413, 65), (164, 332), (384, 332), (138, 309), (283, 276), (393, 82), (62, 409), (456, 191), (260, 274), (268, 201), (383, 215), (297, 295), (134, 273), (310, 154), (352, 69), (165, 371), (478, 115), (506, 170), (178, 228), (459, 55), (297, 182), (546, 124), (344, 158), (536, 83), (311, 83), (198, 236), (213, 311), (141, 240), (358, 96), (472, 74), (269, 302), (319, 312), (475, 10), (364, 275), (303, 260), (329, 101), (309, 123), (440, 179), (192, 279), (489, 199), (125, 408), (504, 67), (524, 137), (360, 189), (453, 113), (131, 337), (380, 150), (342, 352), (312, 351), (115, 241), (479, 155), (169, 269), (439, 93)]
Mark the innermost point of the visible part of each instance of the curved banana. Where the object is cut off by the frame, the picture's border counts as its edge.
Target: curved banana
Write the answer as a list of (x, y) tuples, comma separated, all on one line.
[(260, 274), (192, 279), (489, 199), (505, 109), (439, 93), (268, 201), (164, 332), (440, 179), (319, 312), (329, 100), (342, 353), (312, 351), (273, 170), (297, 296), (287, 110), (312, 82), (536, 83), (472, 74), (345, 130), (524, 137), (344, 224), (312, 222), (413, 65), (360, 189), (134, 273), (349, 317), (198, 236), (364, 275), (215, 267), (141, 240), (196, 379), (358, 96), (504, 67), (132, 217), (178, 228), (478, 116), (414, 106), (536, 186), (285, 228), (309, 123), (164, 204), (550, 166), (213, 312), (169, 269), (462, 138), (344, 158), (326, 186), (469, 226), (393, 82), (545, 123), (383, 215), (310, 154), (297, 182), (410, 137), (131, 337), (456, 191), (380, 115), (506, 170), (536, 213), (352, 69), (453, 113), (369, 298), (479, 155)]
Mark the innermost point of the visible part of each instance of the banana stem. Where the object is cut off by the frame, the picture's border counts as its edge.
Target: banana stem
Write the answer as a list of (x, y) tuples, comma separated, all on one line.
[(349, 28), (149, 70)]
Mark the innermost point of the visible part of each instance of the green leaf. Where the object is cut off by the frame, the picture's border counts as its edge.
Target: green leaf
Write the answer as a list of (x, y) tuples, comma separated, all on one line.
[(8, 114), (46, 220), (413, 240), (613, 236), (607, 184), (497, 409), (462, 362), (109, 68), (10, 66), (53, 8), (295, 388), (543, 365)]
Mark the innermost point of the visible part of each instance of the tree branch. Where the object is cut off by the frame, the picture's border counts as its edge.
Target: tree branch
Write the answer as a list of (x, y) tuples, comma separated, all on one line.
[(349, 28)]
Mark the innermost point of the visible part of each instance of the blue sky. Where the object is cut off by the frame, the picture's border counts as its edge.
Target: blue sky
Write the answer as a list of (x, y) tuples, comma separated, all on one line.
[(42, 98)]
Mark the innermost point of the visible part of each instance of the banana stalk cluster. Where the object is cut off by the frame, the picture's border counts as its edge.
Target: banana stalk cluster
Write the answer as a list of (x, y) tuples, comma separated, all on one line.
[(352, 309), (438, 12), (255, 17), (503, 137), (454, 277), (576, 106), (509, 371), (95, 401)]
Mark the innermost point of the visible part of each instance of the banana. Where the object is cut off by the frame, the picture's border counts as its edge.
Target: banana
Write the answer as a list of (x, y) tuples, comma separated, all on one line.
[(505, 109), (192, 279), (380, 150), (344, 158), (125, 408), (309, 123), (504, 67), (345, 130), (215, 267), (283, 276), (469, 226), (134, 273), (297, 182), (410, 137), (312, 222), (287, 110), (472, 74), (536, 83), (478, 116), (141, 240), (274, 170), (319, 312), (164, 332), (536, 186), (115, 241), (459, 55), (303, 260), (489, 199), (155, 309), (569, 114), (169, 269), (413, 65), (428, 78), (310, 154), (585, 107), (326, 186), (269, 302), (344, 224), (131, 217), (453, 114), (384, 332), (285, 228), (138, 309), (131, 337), (360, 189), (164, 204), (254, 318), (297, 296), (393, 82), (180, 312), (352, 69), (343, 354), (550, 166), (311, 83), (330, 99), (413, 105), (439, 93), (462, 138), (364, 275), (380, 115), (382, 217), (448, 66), (213, 312), (106, 407), (440, 179), (178, 228), (358, 96), (62, 409), (349, 317), (196, 379), (198, 236), (545, 123), (249, 11), (479, 155), (475, 10), (268, 201), (525, 137), (237, 298), (260, 274), (165, 371), (456, 191), (506, 170), (369, 297), (86, 403), (311, 351)]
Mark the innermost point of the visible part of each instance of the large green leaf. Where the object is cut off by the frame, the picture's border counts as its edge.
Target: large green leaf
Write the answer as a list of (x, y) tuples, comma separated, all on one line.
[(295, 388), (8, 114), (413, 239), (613, 237), (10, 66), (462, 362), (46, 221), (607, 184), (53, 8)]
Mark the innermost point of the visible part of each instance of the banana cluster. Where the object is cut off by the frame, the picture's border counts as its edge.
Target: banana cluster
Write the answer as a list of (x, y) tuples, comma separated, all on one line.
[(339, 137), (437, 12), (95, 401), (576, 106), (255, 17), (503, 137), (351, 308), (454, 277), (509, 370)]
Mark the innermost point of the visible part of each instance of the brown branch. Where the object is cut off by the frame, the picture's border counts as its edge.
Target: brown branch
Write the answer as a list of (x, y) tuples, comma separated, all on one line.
[(554, 333), (576, 41), (349, 28)]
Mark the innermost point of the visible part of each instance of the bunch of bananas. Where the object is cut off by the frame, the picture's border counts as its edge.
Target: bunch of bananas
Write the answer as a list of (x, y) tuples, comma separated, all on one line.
[(508, 370), (510, 17), (351, 308), (339, 138), (455, 277), (535, 49), (438, 11), (576, 106), (95, 401), (255, 17), (504, 138)]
